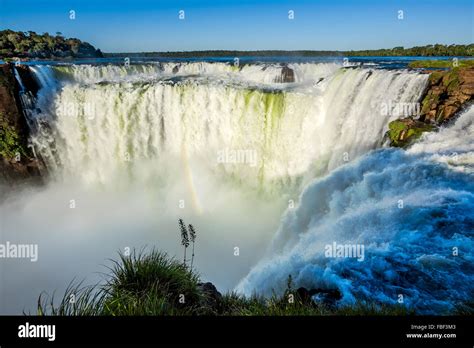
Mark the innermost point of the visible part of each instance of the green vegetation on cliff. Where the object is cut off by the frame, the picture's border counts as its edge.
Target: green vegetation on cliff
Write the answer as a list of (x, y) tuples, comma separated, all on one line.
[(447, 92), (447, 79), (443, 64), (10, 141), (404, 132), (32, 45)]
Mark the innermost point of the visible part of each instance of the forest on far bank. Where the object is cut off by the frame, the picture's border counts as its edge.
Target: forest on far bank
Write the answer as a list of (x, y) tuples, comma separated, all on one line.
[(32, 45), (426, 51)]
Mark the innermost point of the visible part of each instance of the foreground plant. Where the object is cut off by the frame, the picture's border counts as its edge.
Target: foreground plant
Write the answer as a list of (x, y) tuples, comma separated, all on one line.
[(155, 284), (139, 284), (184, 238)]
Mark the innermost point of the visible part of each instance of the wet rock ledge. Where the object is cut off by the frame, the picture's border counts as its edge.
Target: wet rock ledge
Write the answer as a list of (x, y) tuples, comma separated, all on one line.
[(448, 93)]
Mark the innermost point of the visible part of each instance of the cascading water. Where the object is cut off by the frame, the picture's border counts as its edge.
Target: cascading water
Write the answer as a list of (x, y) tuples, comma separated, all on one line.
[(413, 212), (226, 147), (106, 118)]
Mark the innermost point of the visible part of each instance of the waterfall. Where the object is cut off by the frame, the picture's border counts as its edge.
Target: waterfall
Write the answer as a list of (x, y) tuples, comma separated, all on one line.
[(105, 119), (413, 212), (28, 103), (227, 148)]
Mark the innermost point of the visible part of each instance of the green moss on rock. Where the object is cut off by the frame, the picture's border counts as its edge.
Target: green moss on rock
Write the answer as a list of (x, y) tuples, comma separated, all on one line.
[(404, 132), (10, 141), (429, 100), (451, 80), (446, 94), (435, 77)]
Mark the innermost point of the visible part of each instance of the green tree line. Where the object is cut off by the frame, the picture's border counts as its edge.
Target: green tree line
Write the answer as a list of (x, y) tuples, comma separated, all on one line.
[(32, 45), (426, 51)]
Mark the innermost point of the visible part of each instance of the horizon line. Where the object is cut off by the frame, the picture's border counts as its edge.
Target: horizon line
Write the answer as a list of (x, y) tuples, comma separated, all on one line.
[(283, 50)]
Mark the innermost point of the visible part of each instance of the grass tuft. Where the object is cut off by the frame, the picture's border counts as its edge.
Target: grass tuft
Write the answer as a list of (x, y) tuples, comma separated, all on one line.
[(139, 284), (153, 284)]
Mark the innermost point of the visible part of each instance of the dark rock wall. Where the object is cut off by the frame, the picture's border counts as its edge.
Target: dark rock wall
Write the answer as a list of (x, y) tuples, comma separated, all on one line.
[(17, 163)]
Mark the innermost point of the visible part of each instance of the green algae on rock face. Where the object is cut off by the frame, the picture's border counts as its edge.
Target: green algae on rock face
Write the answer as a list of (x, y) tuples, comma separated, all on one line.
[(451, 80), (435, 77), (404, 132), (427, 103)]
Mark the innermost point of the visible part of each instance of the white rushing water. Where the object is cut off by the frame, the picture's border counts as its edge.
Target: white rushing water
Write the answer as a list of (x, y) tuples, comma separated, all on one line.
[(135, 148), (104, 120), (413, 213)]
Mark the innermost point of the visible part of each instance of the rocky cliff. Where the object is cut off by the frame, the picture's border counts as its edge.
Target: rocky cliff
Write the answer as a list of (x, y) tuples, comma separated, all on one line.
[(17, 163), (447, 93)]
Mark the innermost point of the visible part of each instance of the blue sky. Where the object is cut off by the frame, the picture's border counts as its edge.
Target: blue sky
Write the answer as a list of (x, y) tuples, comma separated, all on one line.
[(153, 25)]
